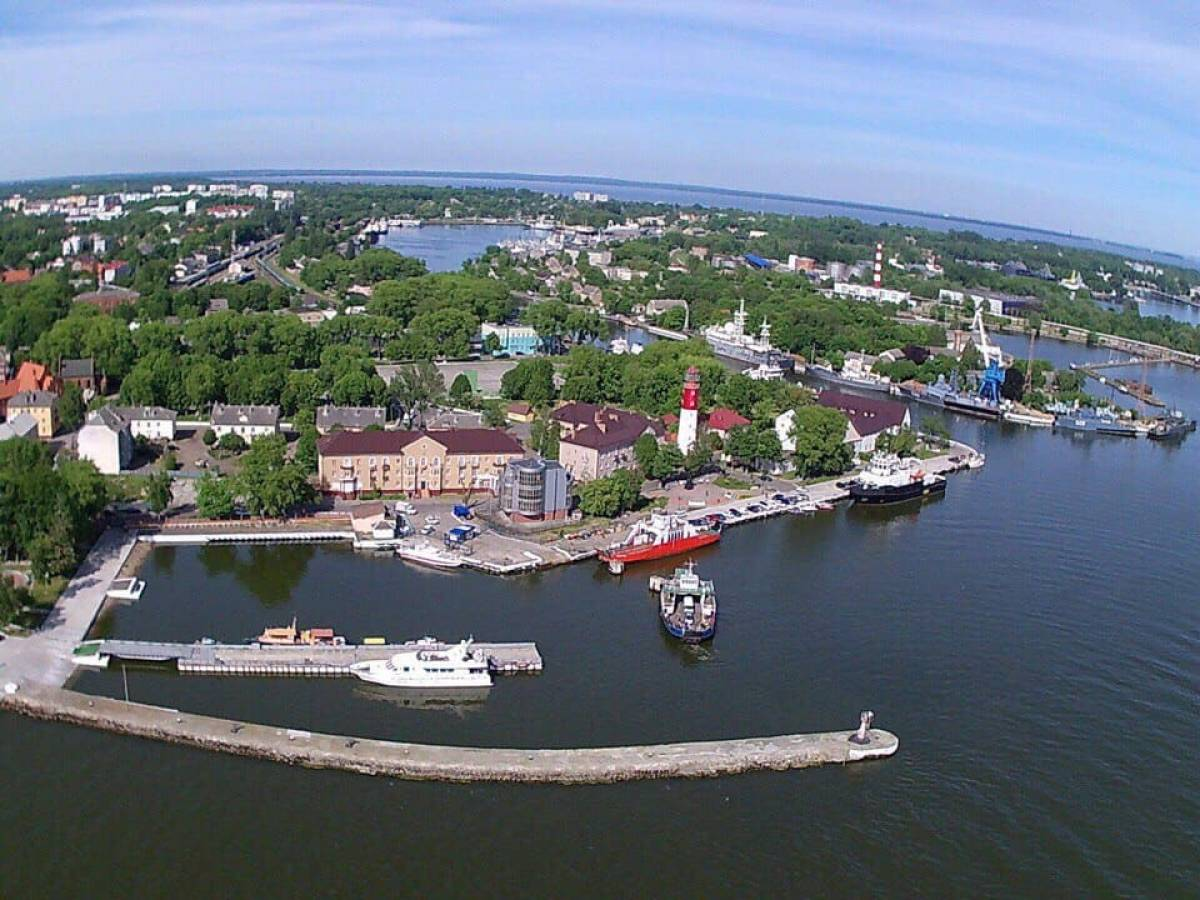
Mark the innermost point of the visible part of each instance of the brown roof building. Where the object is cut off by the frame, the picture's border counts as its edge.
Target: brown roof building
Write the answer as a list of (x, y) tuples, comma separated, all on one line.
[(417, 463), (596, 440)]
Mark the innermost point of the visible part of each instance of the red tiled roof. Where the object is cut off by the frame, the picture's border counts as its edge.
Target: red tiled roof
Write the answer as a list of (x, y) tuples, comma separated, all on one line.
[(722, 419), (31, 376), (867, 414), (600, 427), (17, 276), (476, 440)]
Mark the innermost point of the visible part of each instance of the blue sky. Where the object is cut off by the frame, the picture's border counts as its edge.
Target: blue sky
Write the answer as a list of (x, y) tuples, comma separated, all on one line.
[(1081, 117)]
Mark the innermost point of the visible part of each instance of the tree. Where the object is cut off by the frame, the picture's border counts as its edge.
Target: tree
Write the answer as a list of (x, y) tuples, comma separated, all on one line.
[(231, 443), (417, 387), (742, 444), (53, 553), (544, 436), (531, 380), (1013, 387), (935, 427), (460, 389), (611, 496), (214, 497), (269, 483), (645, 451), (306, 447), (71, 407), (494, 415), (902, 443), (209, 438), (820, 435), (667, 462), (12, 601), (158, 492)]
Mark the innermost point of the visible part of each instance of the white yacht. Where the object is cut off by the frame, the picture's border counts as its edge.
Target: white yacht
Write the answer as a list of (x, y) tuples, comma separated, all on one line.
[(460, 666), (428, 554)]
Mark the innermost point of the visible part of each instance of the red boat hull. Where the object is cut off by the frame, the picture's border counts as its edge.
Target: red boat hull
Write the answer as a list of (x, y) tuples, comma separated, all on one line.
[(643, 552)]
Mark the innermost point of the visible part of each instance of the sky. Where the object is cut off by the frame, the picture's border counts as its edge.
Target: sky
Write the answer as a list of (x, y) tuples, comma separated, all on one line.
[(1075, 117)]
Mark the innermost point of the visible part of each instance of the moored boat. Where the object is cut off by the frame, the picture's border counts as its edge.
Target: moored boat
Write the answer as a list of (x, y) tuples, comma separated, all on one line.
[(1094, 421), (289, 635), (460, 666), (867, 381), (427, 554), (889, 479), (687, 605), (659, 536)]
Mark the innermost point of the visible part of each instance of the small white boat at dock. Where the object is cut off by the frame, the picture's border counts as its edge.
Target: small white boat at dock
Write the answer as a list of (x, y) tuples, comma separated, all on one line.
[(427, 554), (461, 666), (125, 589)]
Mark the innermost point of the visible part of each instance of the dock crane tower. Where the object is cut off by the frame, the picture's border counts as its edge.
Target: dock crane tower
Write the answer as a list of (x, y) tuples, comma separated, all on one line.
[(993, 360)]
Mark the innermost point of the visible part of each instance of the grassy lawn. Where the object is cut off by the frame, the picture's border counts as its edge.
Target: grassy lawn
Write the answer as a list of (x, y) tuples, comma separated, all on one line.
[(733, 484)]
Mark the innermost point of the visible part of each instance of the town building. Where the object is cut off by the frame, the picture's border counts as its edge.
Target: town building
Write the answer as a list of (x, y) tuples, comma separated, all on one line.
[(247, 422), (595, 441), (997, 303), (105, 439), (868, 418), (520, 411), (154, 423), (349, 418), (515, 340), (79, 372), (417, 463), (871, 293), (41, 405), (31, 376), (19, 426), (534, 489), (17, 276), (723, 420)]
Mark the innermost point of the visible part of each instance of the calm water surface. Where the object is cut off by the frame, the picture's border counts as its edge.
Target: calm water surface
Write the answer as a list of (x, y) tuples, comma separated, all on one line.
[(1032, 638), (444, 248)]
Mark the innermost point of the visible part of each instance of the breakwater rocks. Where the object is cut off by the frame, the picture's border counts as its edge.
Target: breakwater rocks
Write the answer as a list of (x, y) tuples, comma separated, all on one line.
[(423, 762)]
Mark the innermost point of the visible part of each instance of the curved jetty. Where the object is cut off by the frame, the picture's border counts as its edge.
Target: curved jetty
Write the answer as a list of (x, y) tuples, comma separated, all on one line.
[(425, 762)]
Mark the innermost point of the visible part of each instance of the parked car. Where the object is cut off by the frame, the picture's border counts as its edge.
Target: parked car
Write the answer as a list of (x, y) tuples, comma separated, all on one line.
[(735, 512), (755, 508)]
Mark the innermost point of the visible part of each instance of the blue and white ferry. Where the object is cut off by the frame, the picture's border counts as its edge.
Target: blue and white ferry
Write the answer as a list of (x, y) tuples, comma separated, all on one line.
[(687, 605)]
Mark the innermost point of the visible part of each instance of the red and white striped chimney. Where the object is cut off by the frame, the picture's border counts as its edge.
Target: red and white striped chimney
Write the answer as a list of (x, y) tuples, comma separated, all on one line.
[(877, 280)]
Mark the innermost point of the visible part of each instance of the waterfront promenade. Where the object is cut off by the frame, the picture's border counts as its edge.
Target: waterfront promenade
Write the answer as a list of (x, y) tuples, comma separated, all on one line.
[(426, 762), (44, 657)]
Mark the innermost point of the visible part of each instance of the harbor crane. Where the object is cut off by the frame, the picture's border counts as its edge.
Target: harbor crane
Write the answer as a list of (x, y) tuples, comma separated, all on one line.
[(993, 360)]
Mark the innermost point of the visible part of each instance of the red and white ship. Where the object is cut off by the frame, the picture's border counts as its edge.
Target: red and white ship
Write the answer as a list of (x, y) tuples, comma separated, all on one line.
[(659, 536)]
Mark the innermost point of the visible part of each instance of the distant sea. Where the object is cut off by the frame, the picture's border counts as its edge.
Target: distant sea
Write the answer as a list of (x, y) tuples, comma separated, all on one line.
[(697, 195)]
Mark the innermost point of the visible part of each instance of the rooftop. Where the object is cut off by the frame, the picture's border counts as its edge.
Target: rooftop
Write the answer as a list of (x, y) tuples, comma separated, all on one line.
[(223, 414), (455, 440), (868, 415)]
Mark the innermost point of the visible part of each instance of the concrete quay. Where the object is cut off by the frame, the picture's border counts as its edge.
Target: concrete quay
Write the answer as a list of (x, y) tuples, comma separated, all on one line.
[(44, 657), (425, 762)]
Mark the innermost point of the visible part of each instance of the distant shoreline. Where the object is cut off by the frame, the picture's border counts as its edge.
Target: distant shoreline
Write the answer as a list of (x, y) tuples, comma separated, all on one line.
[(600, 181)]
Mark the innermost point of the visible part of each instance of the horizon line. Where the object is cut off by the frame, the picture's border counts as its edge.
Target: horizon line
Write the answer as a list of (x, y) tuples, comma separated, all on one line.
[(612, 180)]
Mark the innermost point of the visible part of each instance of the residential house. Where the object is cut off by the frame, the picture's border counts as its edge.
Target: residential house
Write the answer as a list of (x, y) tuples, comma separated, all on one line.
[(870, 293), (17, 276), (31, 376), (247, 422), (535, 489), (520, 411), (79, 372), (721, 420), (154, 423), (868, 417), (595, 441), (105, 439), (21, 426), (109, 272), (349, 418), (417, 463), (42, 405)]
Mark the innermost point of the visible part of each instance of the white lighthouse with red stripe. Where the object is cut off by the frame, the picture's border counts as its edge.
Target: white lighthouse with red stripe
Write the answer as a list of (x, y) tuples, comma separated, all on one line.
[(689, 410), (877, 280)]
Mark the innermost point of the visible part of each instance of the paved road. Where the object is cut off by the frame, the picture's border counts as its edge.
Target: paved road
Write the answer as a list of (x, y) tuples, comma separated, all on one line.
[(45, 656)]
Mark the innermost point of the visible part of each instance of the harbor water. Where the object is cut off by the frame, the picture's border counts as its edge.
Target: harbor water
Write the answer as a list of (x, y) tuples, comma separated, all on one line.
[(444, 248), (1032, 638)]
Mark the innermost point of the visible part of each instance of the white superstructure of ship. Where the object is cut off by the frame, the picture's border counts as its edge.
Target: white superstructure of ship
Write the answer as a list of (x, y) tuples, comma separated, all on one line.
[(460, 666), (733, 341)]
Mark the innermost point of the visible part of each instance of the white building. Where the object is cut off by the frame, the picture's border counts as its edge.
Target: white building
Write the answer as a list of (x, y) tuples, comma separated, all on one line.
[(189, 208), (99, 244), (247, 422), (154, 423), (106, 441), (871, 293), (72, 246)]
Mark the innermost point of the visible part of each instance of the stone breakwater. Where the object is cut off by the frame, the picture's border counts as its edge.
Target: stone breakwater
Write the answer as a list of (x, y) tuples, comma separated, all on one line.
[(424, 762)]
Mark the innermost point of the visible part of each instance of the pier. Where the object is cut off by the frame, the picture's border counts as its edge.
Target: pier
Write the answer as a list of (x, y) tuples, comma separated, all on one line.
[(425, 762), (287, 660)]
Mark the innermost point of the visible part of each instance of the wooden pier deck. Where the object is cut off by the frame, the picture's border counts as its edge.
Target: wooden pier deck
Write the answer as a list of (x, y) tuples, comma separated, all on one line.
[(320, 661)]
